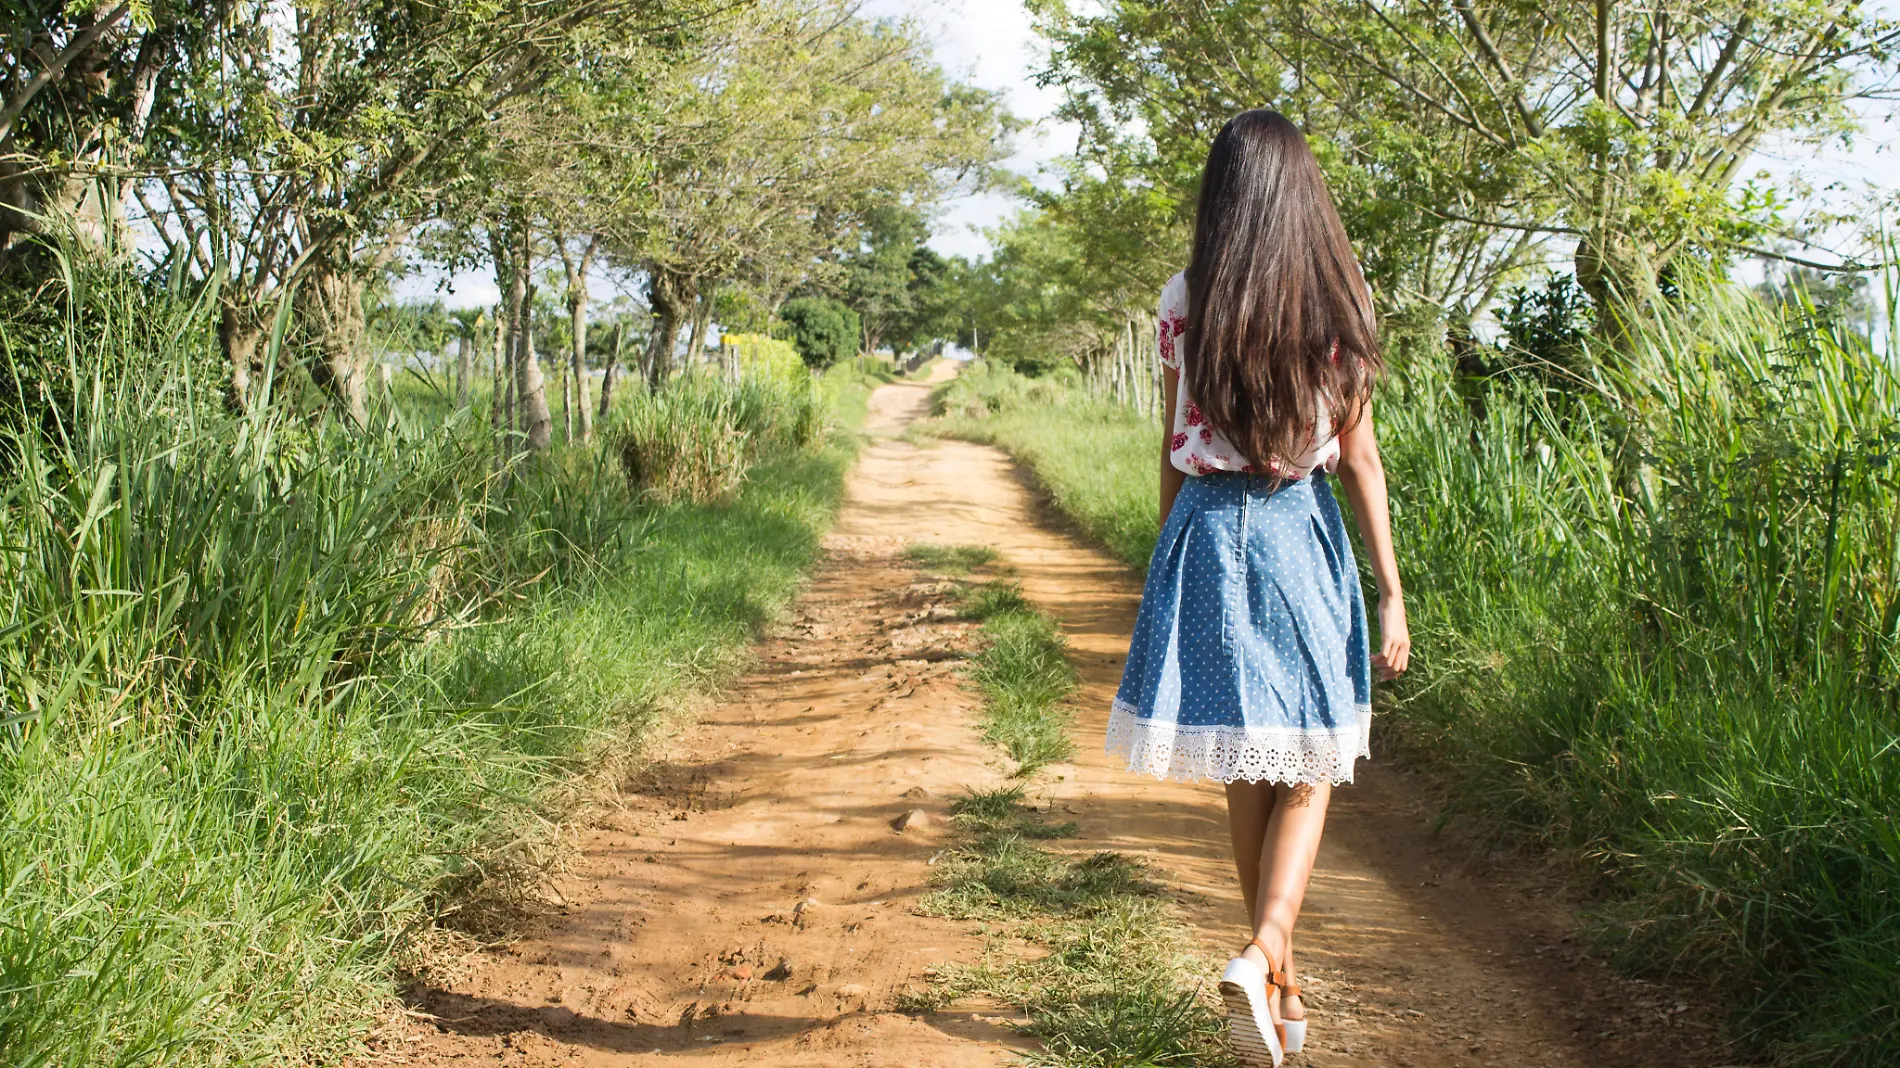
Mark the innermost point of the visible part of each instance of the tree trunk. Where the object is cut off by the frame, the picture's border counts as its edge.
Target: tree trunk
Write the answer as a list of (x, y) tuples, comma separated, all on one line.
[(530, 386), (577, 300), (567, 401), (464, 368), (507, 334), (499, 378), (332, 305), (240, 332), (696, 340), (663, 297), (607, 379)]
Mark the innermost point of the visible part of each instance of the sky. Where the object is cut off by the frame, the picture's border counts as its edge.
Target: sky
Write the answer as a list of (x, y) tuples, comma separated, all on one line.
[(990, 43)]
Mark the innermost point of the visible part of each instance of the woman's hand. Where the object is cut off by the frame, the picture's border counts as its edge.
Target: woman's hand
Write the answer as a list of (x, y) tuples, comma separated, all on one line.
[(1395, 641)]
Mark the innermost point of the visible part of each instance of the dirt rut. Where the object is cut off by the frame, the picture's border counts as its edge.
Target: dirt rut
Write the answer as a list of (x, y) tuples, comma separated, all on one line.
[(748, 898)]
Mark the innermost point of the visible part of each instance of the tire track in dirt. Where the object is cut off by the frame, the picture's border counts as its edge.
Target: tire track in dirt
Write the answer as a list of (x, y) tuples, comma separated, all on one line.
[(746, 898)]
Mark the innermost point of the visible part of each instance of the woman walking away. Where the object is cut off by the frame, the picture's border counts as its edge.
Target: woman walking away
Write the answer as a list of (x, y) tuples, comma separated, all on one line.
[(1250, 663)]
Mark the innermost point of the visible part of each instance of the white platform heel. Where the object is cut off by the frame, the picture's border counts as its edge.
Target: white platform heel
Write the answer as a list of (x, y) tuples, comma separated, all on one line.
[(1249, 993), (1293, 1031)]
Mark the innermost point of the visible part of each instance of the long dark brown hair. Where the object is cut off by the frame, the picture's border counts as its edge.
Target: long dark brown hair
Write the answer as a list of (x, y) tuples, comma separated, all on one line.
[(1279, 314)]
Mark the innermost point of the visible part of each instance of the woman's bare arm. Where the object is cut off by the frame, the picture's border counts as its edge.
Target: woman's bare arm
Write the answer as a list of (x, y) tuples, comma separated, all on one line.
[(1362, 475), (1171, 476)]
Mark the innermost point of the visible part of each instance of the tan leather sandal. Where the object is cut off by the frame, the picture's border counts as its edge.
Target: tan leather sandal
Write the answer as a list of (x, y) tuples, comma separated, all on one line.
[(1251, 994), (1292, 1032)]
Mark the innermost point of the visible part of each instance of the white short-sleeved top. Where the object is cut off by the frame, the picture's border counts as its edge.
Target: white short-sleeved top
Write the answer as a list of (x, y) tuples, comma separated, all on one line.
[(1197, 448)]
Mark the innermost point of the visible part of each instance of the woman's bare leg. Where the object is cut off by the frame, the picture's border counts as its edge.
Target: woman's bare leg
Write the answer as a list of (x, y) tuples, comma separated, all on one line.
[(1276, 832)]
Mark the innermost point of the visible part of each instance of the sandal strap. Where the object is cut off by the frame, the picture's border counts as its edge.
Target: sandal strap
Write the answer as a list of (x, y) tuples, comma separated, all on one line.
[(1275, 977)]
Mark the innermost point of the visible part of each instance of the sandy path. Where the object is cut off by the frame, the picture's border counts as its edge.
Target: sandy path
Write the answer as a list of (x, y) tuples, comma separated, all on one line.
[(682, 935)]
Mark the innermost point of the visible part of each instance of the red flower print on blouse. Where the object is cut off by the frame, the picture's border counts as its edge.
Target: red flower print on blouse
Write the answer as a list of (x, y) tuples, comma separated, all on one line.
[(1201, 467), (1194, 416), (1167, 343), (1177, 323), (1207, 435), (1175, 443)]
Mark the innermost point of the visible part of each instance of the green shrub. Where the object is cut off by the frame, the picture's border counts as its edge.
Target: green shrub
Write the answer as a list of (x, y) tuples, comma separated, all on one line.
[(682, 444), (823, 330), (693, 440)]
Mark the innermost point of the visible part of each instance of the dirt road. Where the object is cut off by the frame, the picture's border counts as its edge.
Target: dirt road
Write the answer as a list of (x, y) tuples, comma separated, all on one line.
[(747, 899)]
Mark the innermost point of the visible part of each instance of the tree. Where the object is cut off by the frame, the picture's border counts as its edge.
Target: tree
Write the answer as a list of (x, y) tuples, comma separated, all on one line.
[(1478, 130), (469, 323), (822, 330), (931, 293), (305, 142), (794, 120), (78, 84), (877, 277)]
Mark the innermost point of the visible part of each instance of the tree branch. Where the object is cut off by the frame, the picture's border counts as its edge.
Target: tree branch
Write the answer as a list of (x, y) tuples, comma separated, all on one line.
[(53, 70), (1850, 267), (1532, 124)]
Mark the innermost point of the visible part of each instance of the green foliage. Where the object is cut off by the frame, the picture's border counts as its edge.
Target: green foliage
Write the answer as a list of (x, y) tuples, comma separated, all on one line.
[(1660, 635), (1550, 325), (1042, 300), (1629, 150), (899, 287), (823, 330), (760, 356), (274, 691), (695, 439)]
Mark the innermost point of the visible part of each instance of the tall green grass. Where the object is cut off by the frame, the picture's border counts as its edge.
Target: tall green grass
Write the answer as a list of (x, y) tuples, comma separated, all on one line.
[(695, 440), (274, 691), (1655, 623)]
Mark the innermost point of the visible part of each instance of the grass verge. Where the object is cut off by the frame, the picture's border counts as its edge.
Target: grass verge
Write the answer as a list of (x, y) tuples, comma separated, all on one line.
[(1119, 982), (274, 692)]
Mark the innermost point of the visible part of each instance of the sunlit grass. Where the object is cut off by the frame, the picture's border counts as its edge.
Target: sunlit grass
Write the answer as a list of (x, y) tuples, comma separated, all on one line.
[(951, 559), (274, 691)]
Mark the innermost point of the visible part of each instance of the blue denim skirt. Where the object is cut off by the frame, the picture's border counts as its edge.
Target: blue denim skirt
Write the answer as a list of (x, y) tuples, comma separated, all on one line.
[(1250, 660)]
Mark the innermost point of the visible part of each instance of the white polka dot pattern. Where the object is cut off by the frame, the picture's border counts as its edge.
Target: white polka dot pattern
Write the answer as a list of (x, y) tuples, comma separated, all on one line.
[(1250, 659)]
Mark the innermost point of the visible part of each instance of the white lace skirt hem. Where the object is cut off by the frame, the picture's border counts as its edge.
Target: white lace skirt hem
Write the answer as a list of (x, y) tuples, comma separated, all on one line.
[(1238, 754)]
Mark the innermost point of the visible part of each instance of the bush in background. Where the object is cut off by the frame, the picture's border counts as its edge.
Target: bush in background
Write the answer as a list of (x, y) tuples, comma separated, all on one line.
[(694, 440), (763, 356), (823, 330)]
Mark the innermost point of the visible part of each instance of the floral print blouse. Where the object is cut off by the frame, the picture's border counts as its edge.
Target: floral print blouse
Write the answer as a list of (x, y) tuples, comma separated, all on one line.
[(1197, 448)]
